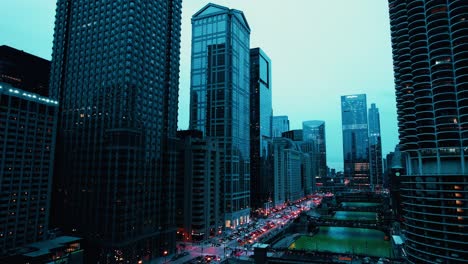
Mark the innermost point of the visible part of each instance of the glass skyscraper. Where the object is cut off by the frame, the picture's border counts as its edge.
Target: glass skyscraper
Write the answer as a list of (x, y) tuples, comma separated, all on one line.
[(375, 148), (219, 99), (355, 139), (115, 68), (261, 114), (314, 131), (430, 51), (280, 124)]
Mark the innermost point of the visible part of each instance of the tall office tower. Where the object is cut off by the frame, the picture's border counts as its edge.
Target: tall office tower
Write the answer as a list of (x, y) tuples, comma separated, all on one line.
[(219, 103), (430, 50), (198, 187), (115, 68), (280, 124), (24, 71), (27, 140), (355, 140), (261, 114), (375, 148), (314, 131)]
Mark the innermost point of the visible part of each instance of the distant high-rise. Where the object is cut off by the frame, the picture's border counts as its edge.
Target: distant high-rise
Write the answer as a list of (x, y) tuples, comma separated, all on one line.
[(115, 68), (430, 51), (314, 131), (220, 99), (294, 135), (24, 71), (375, 148), (286, 176), (261, 114), (27, 141), (280, 125), (355, 139)]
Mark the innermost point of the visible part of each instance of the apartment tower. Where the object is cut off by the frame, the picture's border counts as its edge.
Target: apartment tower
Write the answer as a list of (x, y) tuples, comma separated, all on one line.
[(430, 51)]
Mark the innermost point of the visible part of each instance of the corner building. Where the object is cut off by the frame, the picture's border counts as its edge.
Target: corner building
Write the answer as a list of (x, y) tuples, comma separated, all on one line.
[(219, 99), (115, 68), (430, 56)]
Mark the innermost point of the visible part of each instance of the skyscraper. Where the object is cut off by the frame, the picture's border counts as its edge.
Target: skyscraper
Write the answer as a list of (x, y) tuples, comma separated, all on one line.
[(355, 139), (314, 131), (375, 148), (27, 141), (261, 114), (430, 50), (219, 99), (115, 68), (280, 125)]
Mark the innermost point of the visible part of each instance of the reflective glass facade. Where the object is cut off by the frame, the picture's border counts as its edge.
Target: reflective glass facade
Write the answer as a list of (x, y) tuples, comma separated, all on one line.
[(430, 51), (355, 139), (219, 99), (261, 114), (280, 124), (115, 68), (314, 131), (375, 148)]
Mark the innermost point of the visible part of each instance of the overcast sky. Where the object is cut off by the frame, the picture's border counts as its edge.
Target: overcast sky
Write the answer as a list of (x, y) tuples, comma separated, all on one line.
[(319, 49)]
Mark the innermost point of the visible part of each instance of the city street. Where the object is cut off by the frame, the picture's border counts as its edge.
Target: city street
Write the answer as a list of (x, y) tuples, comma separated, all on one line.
[(238, 242)]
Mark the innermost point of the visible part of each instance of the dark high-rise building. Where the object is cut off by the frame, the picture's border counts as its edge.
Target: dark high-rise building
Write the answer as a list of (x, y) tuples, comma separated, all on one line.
[(27, 141), (220, 99), (375, 148), (314, 131), (355, 139), (261, 114), (294, 135), (430, 50), (280, 124), (198, 182), (395, 164), (115, 68), (24, 71)]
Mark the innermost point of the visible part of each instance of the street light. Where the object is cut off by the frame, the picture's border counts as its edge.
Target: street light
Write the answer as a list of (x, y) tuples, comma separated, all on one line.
[(165, 256)]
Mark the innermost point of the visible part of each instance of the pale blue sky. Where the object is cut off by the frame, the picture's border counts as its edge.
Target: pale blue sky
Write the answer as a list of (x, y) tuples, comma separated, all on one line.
[(319, 49)]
